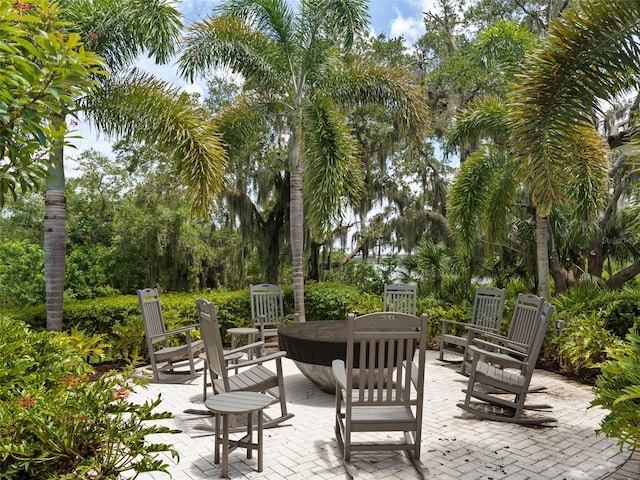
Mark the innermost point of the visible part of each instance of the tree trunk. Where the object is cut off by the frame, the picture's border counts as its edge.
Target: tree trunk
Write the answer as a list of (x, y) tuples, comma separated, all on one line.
[(620, 278), (542, 257), (297, 226), (55, 241), (314, 261), (558, 273)]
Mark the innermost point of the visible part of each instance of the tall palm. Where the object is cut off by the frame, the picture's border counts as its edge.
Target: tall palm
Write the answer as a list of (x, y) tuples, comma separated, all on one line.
[(557, 151), (292, 71), (591, 54), (132, 104)]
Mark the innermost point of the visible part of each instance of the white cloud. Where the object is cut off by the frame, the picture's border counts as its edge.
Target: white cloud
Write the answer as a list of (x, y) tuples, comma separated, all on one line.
[(410, 28)]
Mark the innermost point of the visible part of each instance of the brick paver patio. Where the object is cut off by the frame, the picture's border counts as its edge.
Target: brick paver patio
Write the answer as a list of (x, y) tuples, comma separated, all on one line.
[(455, 445)]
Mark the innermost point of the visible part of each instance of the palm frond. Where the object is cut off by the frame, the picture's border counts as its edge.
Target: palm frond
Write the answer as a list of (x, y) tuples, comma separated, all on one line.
[(503, 45), (392, 87), (273, 18), (591, 53), (471, 192), (227, 42), (342, 20), (483, 118), (502, 197), (143, 107), (332, 168), (588, 174), (122, 30)]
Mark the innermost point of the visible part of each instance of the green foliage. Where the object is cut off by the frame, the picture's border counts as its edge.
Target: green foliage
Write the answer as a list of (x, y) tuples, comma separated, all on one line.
[(335, 301), (584, 343), (594, 319), (618, 390), (57, 422), (44, 69), (21, 274)]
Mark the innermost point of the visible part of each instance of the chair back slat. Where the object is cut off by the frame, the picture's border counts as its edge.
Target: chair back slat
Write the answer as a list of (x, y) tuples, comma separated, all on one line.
[(212, 339), (400, 297), (524, 322), (541, 330), (488, 308), (386, 343), (154, 327)]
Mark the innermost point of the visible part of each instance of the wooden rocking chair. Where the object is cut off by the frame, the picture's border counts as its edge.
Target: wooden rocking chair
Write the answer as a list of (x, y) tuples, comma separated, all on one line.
[(382, 398), (488, 306), (500, 376), (168, 357), (400, 297), (252, 375)]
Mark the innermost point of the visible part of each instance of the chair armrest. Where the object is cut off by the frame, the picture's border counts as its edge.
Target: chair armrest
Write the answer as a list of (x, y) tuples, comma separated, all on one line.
[(495, 357), (244, 348), (176, 331), (340, 373), (446, 322), (486, 345), (258, 360), (504, 340)]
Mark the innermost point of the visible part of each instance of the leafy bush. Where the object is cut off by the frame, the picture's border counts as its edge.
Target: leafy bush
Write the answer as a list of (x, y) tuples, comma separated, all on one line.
[(584, 343), (618, 390), (55, 422), (21, 282)]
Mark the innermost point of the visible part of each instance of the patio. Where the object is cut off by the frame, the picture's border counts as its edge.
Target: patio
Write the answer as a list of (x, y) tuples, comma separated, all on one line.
[(455, 445)]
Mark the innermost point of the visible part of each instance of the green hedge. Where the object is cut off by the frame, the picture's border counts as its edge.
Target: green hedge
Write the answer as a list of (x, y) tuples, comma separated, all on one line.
[(118, 318)]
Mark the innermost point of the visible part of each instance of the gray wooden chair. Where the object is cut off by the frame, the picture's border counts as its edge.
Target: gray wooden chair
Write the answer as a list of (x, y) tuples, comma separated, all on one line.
[(252, 375), (168, 358), (372, 395), (267, 311), (522, 330), (488, 306), (400, 297), (500, 377)]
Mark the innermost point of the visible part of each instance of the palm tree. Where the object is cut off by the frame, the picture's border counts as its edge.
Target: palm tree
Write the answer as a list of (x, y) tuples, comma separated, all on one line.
[(590, 54), (135, 105), (293, 72)]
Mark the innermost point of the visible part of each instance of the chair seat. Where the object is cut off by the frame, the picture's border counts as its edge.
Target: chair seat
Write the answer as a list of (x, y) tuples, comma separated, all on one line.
[(178, 351), (382, 417), (505, 377), (256, 379)]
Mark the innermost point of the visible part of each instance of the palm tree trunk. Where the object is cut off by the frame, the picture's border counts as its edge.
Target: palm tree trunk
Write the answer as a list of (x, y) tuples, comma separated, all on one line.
[(296, 221), (55, 241), (542, 254)]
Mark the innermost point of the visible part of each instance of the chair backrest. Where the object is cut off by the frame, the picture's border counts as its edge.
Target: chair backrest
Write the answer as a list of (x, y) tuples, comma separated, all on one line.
[(400, 297), (536, 344), (266, 305), (154, 327), (212, 340), (488, 307), (380, 340), (524, 321)]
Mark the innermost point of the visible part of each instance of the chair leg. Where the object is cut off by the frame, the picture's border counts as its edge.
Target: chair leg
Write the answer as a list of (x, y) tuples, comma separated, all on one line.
[(281, 392), (204, 378)]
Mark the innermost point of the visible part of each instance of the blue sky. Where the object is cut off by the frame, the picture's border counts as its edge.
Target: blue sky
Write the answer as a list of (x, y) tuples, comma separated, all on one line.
[(394, 18)]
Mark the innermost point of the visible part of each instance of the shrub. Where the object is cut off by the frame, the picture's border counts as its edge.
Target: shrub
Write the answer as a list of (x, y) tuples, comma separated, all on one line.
[(618, 390), (584, 342), (55, 422)]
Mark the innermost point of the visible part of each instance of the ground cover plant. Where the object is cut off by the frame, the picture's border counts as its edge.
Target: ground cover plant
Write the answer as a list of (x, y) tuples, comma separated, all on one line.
[(57, 422), (618, 390)]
